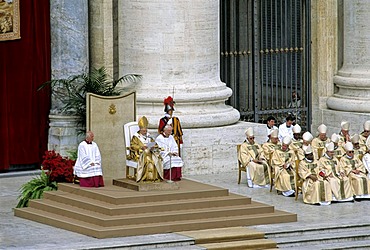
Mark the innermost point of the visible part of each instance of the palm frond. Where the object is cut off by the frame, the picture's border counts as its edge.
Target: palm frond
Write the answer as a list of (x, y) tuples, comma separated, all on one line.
[(75, 87), (35, 188)]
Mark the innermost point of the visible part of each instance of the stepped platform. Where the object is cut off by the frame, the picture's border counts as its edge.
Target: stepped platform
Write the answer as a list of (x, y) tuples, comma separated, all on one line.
[(116, 211), (338, 226)]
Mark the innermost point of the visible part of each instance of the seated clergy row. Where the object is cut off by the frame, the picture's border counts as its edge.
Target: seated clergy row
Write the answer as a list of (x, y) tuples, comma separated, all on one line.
[(329, 172), (158, 158)]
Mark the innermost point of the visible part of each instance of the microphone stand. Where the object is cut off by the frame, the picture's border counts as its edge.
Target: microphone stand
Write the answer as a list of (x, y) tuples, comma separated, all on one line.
[(170, 180)]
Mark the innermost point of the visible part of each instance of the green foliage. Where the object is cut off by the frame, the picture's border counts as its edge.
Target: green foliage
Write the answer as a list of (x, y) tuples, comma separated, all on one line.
[(72, 154), (96, 82), (35, 188)]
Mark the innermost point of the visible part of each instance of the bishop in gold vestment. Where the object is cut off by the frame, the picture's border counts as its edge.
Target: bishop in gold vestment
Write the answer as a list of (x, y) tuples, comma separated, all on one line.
[(143, 150), (355, 170), (315, 188), (251, 156), (339, 182), (318, 143), (283, 163)]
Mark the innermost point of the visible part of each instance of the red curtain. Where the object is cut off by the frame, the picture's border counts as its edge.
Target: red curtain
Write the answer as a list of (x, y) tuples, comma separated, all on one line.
[(25, 65)]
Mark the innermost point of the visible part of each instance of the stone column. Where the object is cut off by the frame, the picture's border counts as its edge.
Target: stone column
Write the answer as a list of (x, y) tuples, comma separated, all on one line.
[(353, 79), (103, 31), (69, 56), (175, 46), (324, 55)]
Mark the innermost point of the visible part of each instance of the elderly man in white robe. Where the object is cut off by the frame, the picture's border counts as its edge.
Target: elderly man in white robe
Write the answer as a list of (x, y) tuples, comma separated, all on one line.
[(172, 163), (88, 164), (252, 158)]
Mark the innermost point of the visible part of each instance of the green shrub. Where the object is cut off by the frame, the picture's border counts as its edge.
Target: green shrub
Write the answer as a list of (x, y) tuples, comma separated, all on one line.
[(35, 188)]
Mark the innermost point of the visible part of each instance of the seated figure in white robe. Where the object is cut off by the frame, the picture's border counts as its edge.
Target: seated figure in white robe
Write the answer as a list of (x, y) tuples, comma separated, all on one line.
[(172, 163)]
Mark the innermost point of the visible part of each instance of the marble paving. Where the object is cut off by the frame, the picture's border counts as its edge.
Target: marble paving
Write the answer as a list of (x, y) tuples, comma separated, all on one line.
[(17, 233)]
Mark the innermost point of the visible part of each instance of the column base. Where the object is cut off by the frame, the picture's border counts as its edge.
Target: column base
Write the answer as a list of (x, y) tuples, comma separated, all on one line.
[(213, 150)]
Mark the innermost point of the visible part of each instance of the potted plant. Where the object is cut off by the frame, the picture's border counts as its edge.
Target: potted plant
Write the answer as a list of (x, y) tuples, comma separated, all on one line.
[(55, 169), (96, 81)]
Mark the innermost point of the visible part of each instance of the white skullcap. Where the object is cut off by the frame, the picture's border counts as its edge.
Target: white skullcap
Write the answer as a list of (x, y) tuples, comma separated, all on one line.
[(334, 138), (287, 140), (322, 129), (274, 133), (367, 125), (368, 142), (249, 132), (344, 125), (304, 147), (307, 136), (355, 138), (308, 150), (329, 146), (297, 129), (348, 146)]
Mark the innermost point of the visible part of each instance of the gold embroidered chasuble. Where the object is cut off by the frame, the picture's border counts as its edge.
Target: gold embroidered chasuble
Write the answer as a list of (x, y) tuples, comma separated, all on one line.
[(284, 177), (360, 183), (268, 148), (339, 182), (150, 167), (319, 145), (259, 171), (313, 191)]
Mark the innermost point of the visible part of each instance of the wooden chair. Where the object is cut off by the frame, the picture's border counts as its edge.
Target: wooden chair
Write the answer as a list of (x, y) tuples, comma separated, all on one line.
[(298, 180), (240, 165), (129, 129)]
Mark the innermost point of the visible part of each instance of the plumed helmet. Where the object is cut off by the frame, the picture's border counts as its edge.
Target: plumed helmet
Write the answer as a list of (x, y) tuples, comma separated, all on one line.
[(169, 104)]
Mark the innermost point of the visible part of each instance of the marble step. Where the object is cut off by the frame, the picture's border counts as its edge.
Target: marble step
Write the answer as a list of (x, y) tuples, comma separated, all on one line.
[(154, 206), (148, 217), (150, 228), (121, 196), (343, 237), (357, 244)]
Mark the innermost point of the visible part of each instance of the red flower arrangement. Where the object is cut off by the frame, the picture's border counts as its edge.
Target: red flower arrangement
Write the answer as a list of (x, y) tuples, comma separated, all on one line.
[(58, 168)]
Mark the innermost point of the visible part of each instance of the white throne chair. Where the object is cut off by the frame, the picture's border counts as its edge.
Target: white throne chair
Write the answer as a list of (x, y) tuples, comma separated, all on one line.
[(129, 129)]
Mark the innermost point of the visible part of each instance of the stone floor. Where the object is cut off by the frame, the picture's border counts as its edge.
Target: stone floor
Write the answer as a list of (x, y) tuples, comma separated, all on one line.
[(17, 233)]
